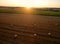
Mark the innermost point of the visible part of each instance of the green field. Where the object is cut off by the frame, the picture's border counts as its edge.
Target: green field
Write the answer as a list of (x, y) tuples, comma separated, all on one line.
[(10, 11), (34, 12), (48, 13)]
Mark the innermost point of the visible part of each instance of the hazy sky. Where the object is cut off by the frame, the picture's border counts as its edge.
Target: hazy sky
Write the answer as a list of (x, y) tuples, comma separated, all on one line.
[(35, 3)]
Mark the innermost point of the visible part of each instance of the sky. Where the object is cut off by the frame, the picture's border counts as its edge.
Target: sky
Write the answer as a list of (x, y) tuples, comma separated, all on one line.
[(31, 3)]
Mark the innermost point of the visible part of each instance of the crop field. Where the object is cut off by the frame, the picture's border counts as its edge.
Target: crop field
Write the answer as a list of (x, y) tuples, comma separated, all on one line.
[(47, 13), (34, 12), (29, 29)]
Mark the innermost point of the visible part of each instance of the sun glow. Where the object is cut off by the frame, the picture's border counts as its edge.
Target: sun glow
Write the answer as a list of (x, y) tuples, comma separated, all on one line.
[(28, 3)]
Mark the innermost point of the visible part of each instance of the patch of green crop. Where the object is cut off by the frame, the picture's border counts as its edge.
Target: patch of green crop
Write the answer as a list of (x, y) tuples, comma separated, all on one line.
[(48, 13)]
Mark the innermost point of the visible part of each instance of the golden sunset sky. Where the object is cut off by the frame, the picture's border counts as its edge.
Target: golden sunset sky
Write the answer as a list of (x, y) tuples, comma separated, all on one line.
[(30, 3)]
